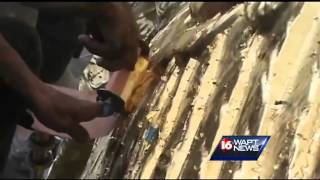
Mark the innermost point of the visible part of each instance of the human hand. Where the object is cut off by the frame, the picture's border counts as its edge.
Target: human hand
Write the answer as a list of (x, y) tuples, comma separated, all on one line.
[(114, 39), (63, 113)]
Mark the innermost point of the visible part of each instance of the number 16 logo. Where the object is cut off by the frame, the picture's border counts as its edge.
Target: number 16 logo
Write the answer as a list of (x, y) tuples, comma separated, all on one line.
[(226, 144)]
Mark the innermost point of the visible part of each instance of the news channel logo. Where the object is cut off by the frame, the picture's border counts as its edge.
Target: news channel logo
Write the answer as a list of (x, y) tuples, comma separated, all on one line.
[(240, 148)]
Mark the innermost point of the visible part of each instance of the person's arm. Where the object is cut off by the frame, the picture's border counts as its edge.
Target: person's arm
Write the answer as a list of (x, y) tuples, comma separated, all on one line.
[(56, 110), (115, 35), (100, 126), (16, 74)]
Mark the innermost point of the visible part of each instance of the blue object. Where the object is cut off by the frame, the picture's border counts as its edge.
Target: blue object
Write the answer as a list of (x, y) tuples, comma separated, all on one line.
[(151, 134), (111, 103), (107, 109)]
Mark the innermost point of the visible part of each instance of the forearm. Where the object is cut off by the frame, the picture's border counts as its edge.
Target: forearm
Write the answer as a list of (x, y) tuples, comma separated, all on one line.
[(15, 73)]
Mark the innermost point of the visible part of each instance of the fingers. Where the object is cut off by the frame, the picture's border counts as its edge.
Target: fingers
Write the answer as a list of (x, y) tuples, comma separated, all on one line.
[(127, 61), (66, 125), (93, 46), (111, 65), (114, 57), (78, 133), (109, 50), (75, 130), (87, 111)]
